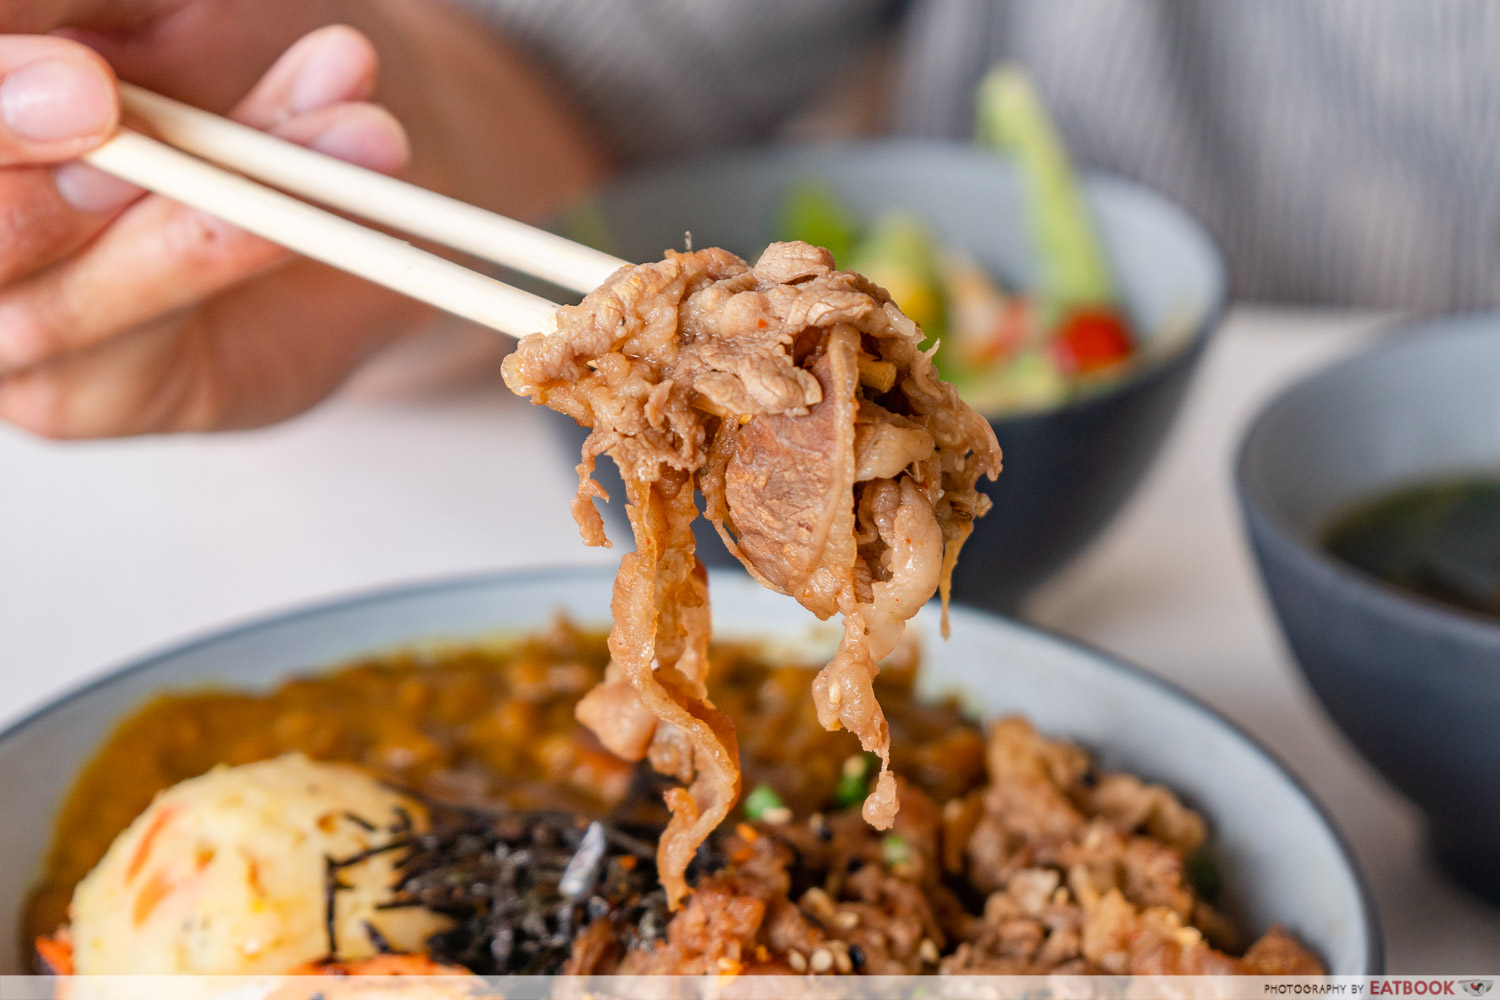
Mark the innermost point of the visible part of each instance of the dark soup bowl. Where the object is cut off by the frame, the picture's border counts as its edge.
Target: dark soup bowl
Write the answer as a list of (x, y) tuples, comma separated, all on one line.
[(1414, 684), (1068, 469)]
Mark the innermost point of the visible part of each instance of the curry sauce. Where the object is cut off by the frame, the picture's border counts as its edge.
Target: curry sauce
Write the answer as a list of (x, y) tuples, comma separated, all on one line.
[(491, 725)]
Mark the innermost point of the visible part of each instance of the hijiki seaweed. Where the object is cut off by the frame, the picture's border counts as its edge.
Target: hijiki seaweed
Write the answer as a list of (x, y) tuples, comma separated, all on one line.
[(401, 839), (521, 886)]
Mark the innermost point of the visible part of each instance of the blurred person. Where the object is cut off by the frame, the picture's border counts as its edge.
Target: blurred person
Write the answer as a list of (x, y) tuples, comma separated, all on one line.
[(1342, 151)]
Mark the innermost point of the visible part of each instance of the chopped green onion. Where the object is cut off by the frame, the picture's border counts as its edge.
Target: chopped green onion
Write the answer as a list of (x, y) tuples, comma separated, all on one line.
[(895, 850), (849, 793), (761, 800), (1203, 874), (854, 783)]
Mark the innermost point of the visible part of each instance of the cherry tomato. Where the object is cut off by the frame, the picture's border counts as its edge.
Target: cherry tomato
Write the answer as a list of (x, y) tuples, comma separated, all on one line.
[(1090, 339)]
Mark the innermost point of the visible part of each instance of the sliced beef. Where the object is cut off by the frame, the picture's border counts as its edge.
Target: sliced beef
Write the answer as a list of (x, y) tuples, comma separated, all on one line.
[(835, 463)]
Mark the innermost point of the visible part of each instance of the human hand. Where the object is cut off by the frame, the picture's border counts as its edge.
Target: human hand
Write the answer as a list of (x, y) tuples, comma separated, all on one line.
[(126, 313)]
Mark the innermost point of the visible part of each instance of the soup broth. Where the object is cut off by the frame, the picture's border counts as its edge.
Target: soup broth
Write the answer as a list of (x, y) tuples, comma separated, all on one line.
[(1437, 540)]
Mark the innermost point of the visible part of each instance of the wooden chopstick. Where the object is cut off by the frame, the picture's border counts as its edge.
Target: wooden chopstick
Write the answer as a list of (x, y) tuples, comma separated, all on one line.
[(323, 236), (401, 206)]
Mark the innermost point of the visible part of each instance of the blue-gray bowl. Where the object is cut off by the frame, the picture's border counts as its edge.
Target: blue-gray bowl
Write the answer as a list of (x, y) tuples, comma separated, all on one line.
[(1414, 685), (1067, 470), (1280, 859)]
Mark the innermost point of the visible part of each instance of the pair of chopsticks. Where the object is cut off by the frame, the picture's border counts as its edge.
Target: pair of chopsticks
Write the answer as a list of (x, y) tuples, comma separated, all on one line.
[(181, 165)]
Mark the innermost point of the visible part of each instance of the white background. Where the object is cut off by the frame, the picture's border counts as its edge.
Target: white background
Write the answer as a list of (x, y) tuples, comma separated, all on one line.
[(427, 467)]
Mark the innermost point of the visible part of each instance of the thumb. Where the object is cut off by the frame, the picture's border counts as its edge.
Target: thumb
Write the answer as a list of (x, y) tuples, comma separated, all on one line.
[(57, 100)]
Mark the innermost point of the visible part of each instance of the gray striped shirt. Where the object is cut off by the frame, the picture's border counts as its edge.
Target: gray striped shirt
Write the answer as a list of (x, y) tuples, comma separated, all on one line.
[(1342, 151)]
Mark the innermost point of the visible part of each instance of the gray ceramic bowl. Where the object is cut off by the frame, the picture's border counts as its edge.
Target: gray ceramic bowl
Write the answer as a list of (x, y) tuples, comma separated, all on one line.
[(1414, 685), (1281, 859), (1066, 470)]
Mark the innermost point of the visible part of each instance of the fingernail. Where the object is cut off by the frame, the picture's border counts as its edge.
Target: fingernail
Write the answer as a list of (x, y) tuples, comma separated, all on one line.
[(365, 142), (93, 191), (57, 99)]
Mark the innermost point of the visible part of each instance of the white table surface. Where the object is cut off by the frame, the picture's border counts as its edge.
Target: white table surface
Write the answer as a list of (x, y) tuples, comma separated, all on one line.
[(426, 467)]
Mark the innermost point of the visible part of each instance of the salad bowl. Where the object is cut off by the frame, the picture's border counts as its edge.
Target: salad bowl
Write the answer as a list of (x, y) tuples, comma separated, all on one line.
[(1068, 467)]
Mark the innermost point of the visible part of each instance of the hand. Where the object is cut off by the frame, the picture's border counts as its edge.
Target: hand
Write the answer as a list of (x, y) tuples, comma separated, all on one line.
[(124, 313)]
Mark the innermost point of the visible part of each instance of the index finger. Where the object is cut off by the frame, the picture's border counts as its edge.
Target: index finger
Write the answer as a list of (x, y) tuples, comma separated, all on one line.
[(58, 99)]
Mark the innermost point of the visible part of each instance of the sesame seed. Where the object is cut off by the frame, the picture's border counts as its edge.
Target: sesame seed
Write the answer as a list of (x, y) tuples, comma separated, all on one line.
[(818, 902), (822, 960), (854, 767), (846, 920), (927, 951), (797, 961), (843, 962)]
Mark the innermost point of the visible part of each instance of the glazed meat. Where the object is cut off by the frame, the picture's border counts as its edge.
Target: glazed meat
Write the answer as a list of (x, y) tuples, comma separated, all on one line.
[(1052, 867), (837, 466)]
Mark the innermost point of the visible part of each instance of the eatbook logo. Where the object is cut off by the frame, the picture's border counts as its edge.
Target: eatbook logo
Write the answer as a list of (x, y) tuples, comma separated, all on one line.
[(1478, 987)]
